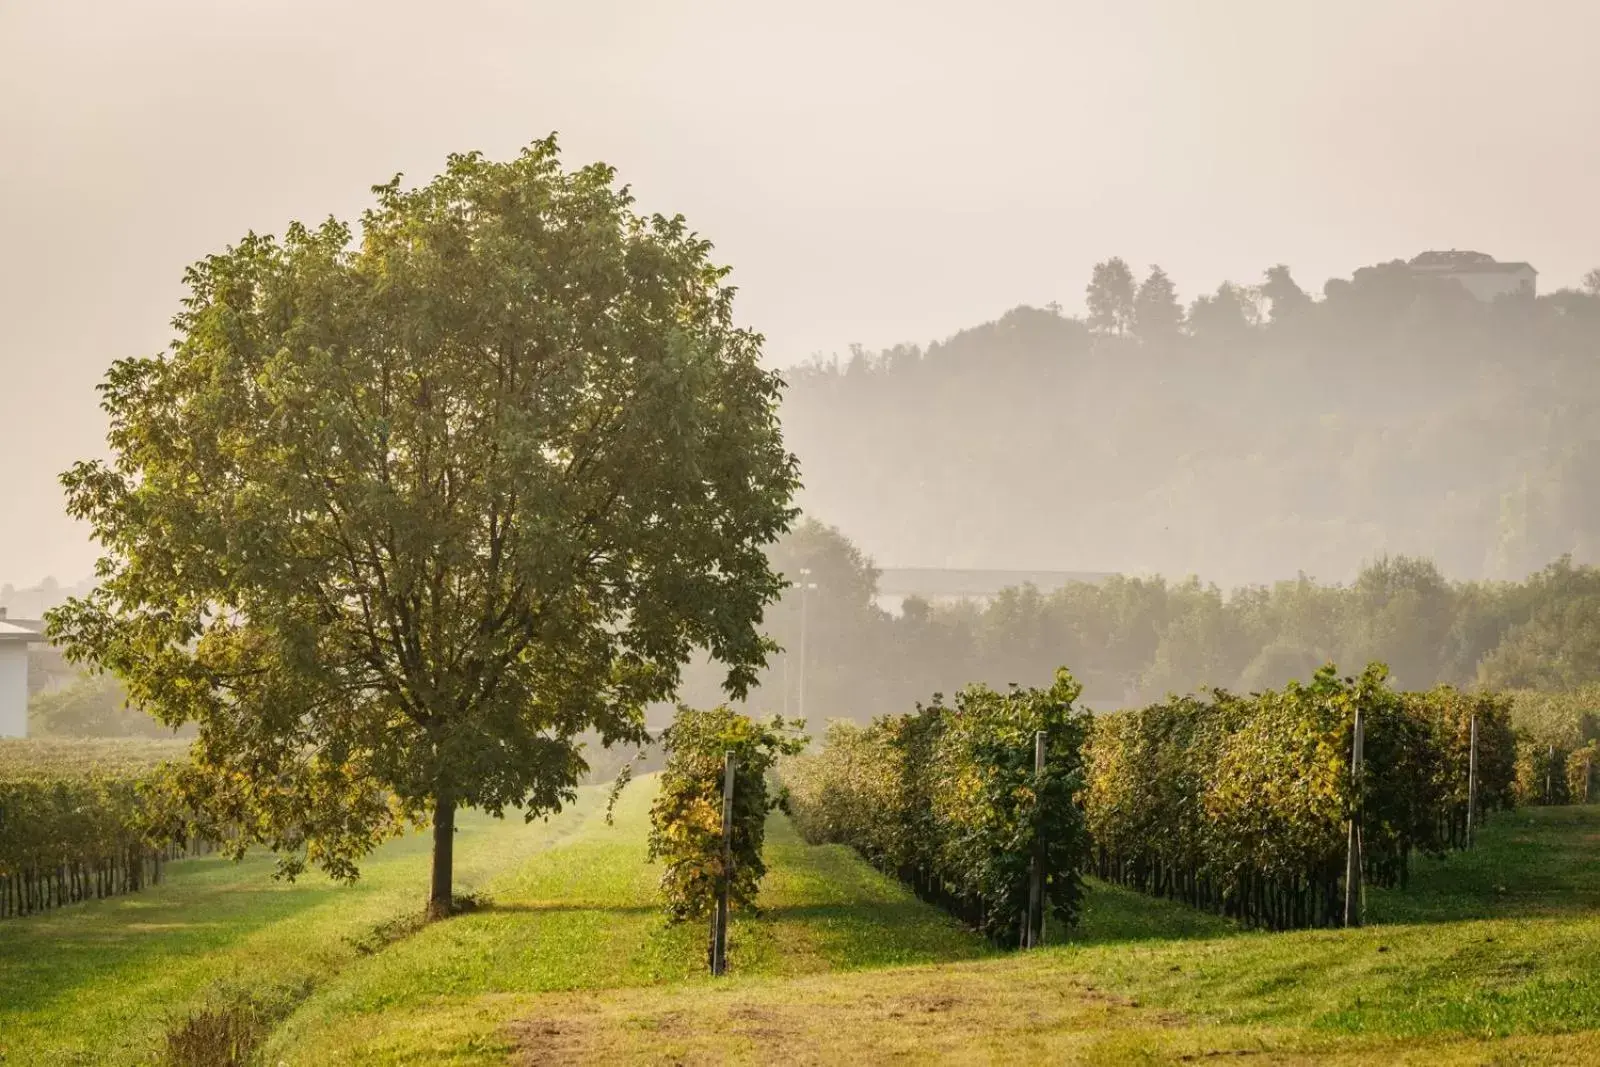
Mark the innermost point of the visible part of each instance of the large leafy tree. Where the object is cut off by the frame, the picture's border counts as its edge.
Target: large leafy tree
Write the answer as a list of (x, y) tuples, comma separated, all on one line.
[(397, 519)]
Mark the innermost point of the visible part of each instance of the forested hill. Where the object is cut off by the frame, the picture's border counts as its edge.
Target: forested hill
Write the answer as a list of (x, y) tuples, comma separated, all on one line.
[(1257, 434)]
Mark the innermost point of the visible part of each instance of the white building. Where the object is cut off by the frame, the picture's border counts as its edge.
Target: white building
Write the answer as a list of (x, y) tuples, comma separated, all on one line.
[(14, 642), (1480, 274)]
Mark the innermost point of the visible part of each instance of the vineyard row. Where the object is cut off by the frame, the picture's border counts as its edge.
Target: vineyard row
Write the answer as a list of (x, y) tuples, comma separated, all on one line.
[(1249, 806)]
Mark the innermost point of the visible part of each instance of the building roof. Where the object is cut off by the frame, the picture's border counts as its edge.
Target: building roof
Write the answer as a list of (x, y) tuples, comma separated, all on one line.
[(1465, 262), (19, 631), (1452, 258), (1481, 268)]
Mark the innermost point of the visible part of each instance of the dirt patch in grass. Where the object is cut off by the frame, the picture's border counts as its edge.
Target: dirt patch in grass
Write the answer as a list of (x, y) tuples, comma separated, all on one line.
[(934, 1004), (556, 1042), (901, 1015)]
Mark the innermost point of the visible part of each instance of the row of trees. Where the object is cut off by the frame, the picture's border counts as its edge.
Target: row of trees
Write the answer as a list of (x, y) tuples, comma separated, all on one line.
[(1133, 640), (1246, 805), (1119, 304), (1558, 745), (948, 799)]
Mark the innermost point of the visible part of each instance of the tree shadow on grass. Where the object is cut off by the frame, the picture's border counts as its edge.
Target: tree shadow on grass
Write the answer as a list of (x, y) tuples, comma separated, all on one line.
[(1529, 863), (1113, 914), (872, 933)]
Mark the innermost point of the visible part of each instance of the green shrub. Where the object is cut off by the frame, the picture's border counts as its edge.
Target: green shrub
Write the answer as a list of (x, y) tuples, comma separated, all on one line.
[(686, 817)]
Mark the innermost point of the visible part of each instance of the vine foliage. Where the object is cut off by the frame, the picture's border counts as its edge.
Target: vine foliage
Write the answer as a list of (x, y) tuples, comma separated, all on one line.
[(947, 799), (686, 816)]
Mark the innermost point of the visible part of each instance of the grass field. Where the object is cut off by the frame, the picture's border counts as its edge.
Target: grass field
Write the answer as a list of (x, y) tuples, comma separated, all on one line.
[(1487, 958), (100, 982)]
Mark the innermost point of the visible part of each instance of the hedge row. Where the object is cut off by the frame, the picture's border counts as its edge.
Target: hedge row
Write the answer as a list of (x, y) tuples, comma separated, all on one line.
[(1242, 804), (81, 822), (74, 759), (1558, 746), (947, 799)]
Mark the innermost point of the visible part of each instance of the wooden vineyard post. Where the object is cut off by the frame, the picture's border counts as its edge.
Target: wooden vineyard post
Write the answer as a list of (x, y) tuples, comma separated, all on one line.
[(1472, 783), (719, 915), (1550, 777), (1033, 924), (1352, 869)]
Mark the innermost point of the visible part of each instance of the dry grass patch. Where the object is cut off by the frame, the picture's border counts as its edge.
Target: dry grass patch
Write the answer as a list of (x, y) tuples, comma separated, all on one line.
[(995, 1012), (974, 1013)]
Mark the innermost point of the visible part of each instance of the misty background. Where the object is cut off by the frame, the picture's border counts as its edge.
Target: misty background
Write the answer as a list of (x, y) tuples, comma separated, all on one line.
[(916, 200)]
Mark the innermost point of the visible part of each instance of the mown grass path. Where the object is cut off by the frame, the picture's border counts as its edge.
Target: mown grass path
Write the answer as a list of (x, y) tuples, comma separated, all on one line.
[(588, 917)]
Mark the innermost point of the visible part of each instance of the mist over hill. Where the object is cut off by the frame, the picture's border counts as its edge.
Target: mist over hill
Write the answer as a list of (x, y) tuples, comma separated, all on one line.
[(1256, 434)]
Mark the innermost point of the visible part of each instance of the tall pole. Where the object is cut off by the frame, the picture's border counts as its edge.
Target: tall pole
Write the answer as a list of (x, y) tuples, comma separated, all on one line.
[(719, 917), (1472, 783), (1033, 926), (1352, 869), (805, 590)]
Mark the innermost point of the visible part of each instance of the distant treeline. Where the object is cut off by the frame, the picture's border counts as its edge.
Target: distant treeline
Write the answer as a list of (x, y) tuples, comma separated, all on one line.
[(1132, 640), (1128, 640), (1256, 432)]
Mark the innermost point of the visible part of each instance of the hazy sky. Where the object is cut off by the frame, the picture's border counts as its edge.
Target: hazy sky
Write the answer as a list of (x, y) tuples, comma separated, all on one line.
[(875, 170)]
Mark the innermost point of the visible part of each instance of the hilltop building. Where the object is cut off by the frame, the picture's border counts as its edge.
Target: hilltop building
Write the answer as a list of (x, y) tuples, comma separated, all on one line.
[(939, 585), (1480, 274)]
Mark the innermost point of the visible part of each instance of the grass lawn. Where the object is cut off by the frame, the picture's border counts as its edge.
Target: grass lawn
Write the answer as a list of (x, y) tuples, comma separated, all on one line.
[(1499, 941), (1486, 958)]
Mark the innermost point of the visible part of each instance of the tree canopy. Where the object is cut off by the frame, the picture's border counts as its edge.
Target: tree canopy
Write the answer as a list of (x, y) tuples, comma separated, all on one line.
[(406, 510)]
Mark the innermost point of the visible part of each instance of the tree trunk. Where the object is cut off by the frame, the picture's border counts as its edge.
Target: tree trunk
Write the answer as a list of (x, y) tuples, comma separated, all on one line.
[(444, 834)]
